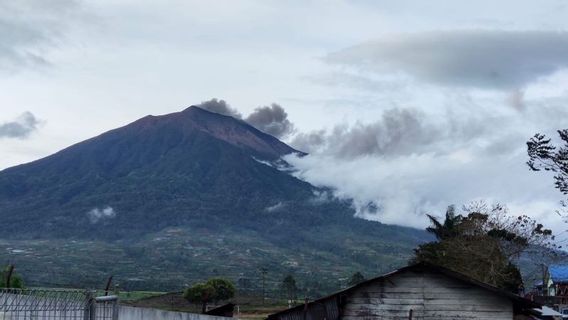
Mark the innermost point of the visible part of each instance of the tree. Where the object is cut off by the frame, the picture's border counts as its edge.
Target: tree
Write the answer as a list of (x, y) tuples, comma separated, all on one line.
[(543, 155), (356, 278), (16, 280), (445, 230), (214, 290), (484, 243), (289, 287)]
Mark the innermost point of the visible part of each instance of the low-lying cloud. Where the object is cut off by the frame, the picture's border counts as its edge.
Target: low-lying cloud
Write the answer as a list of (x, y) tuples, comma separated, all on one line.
[(97, 214), (401, 190), (487, 59), (411, 162), (21, 127)]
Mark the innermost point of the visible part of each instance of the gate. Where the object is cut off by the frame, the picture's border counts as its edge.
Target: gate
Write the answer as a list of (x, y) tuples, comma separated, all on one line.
[(49, 304)]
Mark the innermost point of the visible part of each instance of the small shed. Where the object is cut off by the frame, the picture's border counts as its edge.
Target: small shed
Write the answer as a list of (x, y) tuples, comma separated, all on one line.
[(225, 310), (419, 291)]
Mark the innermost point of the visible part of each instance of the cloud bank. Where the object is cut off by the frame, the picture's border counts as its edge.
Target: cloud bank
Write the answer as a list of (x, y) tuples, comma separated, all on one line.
[(412, 162), (20, 128), (490, 59)]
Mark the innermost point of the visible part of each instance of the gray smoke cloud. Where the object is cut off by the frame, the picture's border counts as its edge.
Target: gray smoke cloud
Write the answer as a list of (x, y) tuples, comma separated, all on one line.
[(96, 214), (28, 28), (491, 59), (398, 132), (271, 119), (220, 106), (20, 128)]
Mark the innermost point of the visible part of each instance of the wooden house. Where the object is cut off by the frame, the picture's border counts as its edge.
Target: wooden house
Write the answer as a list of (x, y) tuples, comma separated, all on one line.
[(419, 291)]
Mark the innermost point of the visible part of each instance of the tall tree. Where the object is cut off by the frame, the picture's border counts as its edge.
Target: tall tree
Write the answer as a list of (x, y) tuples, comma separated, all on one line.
[(289, 287), (447, 229), (544, 155), (484, 243)]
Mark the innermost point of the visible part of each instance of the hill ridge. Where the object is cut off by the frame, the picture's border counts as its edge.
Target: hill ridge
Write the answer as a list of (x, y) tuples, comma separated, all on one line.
[(193, 171)]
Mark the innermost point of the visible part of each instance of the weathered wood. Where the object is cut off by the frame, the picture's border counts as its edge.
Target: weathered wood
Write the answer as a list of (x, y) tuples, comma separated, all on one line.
[(416, 294), (429, 296)]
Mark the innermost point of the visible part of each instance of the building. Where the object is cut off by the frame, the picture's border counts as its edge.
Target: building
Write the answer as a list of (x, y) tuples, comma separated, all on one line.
[(554, 292), (419, 291)]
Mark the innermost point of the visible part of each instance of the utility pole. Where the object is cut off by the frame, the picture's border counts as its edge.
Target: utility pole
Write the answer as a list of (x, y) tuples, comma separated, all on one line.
[(263, 272), (107, 287), (544, 285)]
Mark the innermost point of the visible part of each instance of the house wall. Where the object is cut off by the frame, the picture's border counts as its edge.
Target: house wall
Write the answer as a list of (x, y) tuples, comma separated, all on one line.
[(428, 295), (135, 313)]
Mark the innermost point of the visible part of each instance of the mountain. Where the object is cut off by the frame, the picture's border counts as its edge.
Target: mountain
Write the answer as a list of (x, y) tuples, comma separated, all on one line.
[(182, 192)]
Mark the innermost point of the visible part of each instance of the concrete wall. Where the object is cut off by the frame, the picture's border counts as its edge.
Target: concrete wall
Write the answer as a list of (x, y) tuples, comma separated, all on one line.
[(134, 313)]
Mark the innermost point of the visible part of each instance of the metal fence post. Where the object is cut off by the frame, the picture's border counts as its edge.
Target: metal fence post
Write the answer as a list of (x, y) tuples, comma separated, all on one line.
[(115, 307), (90, 308)]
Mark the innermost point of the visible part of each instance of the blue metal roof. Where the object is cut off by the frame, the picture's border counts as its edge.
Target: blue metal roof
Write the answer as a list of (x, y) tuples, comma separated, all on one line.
[(558, 273)]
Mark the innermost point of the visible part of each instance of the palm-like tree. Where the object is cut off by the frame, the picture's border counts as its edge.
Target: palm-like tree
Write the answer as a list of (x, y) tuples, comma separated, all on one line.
[(448, 229)]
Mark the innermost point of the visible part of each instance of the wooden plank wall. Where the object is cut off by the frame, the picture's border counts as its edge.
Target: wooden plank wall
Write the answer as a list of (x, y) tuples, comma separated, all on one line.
[(428, 295)]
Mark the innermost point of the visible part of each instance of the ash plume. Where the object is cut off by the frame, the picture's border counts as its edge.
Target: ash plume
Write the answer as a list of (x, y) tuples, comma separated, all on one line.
[(271, 119), (220, 106)]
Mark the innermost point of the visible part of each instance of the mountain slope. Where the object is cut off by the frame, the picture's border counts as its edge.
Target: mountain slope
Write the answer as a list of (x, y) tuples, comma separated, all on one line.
[(155, 172), (173, 176)]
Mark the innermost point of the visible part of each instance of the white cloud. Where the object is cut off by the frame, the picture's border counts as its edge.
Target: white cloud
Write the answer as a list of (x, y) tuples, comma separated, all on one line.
[(400, 167), (401, 190), (96, 215), (274, 208)]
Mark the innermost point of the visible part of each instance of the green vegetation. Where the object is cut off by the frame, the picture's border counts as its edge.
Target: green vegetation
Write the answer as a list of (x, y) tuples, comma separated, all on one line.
[(186, 199), (289, 288), (484, 244), (356, 278), (16, 280), (214, 290), (543, 155), (175, 257)]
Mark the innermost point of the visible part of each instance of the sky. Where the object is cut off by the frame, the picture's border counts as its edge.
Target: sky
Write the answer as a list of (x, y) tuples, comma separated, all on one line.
[(405, 106)]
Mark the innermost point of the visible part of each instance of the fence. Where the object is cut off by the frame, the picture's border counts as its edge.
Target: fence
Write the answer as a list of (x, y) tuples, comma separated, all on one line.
[(135, 313), (50, 304)]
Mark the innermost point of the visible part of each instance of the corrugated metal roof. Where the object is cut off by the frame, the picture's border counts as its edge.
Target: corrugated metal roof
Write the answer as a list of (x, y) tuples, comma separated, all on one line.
[(548, 312), (558, 273)]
